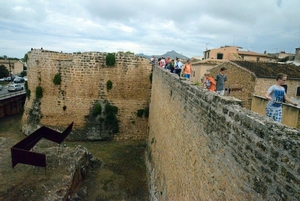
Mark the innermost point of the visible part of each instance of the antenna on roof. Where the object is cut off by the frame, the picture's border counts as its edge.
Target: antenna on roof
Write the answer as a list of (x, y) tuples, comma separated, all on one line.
[(206, 45)]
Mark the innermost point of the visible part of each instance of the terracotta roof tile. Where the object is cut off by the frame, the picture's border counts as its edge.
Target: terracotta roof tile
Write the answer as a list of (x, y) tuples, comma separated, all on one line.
[(266, 69)]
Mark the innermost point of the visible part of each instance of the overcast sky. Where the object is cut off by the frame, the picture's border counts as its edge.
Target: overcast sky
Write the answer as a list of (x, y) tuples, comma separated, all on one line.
[(149, 27)]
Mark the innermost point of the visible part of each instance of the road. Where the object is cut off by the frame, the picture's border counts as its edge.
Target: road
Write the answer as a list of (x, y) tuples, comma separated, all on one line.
[(4, 92)]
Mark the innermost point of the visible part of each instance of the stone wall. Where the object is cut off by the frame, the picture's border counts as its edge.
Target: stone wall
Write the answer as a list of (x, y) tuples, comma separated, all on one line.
[(206, 147), (84, 79), (239, 80)]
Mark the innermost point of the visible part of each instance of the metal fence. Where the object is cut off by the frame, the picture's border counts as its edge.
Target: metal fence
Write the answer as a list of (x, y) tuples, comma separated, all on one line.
[(20, 152)]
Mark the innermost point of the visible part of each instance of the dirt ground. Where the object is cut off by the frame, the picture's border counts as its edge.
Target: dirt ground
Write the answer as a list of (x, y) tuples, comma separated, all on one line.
[(122, 175)]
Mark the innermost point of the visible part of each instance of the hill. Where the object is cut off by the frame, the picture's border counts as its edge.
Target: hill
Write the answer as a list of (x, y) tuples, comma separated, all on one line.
[(171, 54)]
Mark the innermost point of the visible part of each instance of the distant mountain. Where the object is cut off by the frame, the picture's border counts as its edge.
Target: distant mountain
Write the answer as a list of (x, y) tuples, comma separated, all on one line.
[(172, 54), (143, 55)]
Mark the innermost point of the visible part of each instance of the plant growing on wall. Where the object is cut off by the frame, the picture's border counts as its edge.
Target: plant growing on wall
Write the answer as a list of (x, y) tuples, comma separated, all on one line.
[(110, 59), (110, 121), (97, 110), (57, 79), (109, 85), (39, 92), (146, 112), (128, 52), (140, 113), (28, 92)]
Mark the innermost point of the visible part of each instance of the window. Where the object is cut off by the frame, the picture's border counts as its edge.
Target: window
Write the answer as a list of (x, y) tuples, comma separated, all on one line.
[(219, 56), (285, 88), (257, 59)]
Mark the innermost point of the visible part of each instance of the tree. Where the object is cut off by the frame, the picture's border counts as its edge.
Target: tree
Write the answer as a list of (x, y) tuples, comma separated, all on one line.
[(3, 71), (25, 58), (23, 73)]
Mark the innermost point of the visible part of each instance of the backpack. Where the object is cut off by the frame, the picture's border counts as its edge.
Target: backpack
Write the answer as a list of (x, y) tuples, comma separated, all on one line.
[(207, 83)]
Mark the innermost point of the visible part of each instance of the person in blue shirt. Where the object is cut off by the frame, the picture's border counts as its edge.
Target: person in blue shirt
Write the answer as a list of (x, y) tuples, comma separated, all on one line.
[(276, 95), (178, 66)]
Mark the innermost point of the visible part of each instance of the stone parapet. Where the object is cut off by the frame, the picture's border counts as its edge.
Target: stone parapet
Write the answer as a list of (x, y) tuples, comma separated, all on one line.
[(203, 146)]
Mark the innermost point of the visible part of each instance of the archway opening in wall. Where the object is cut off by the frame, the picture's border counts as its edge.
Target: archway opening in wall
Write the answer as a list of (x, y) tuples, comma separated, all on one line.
[(298, 91)]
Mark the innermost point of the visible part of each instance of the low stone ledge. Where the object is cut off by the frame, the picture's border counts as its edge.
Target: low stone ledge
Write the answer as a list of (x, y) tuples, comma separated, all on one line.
[(66, 169)]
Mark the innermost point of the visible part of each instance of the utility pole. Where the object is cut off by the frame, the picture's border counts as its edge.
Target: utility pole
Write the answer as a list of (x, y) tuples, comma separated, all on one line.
[(10, 75)]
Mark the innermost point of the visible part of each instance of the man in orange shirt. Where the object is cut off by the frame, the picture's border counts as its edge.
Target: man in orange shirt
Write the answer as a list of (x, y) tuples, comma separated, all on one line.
[(187, 69), (210, 82)]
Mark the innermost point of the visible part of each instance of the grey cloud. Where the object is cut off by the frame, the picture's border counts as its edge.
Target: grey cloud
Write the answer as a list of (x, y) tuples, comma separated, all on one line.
[(148, 27)]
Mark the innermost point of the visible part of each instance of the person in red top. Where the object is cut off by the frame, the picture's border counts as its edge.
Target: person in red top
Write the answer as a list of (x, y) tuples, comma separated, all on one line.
[(210, 83), (187, 69)]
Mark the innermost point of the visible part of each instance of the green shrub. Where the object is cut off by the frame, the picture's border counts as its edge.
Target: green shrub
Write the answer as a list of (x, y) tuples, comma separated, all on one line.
[(26, 86), (23, 73), (128, 52), (97, 109), (28, 92), (146, 112), (109, 85), (110, 121), (110, 59), (140, 113), (39, 92), (111, 109), (57, 79)]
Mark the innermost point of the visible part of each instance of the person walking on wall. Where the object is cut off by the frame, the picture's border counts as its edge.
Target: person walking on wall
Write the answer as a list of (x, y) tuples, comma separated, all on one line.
[(187, 69), (172, 63), (276, 95), (210, 82), (178, 66), (221, 78)]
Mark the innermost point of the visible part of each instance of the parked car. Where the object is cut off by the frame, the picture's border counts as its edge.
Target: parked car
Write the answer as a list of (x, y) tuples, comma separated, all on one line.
[(25, 78), (19, 80), (7, 79), (15, 87), (2, 79), (1, 87)]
